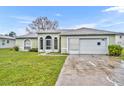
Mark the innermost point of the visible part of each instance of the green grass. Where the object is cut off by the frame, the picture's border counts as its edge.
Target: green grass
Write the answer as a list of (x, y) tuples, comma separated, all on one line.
[(122, 55), (123, 52), (28, 69)]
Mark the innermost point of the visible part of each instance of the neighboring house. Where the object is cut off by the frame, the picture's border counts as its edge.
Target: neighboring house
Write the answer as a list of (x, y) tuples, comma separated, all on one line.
[(72, 41), (7, 41)]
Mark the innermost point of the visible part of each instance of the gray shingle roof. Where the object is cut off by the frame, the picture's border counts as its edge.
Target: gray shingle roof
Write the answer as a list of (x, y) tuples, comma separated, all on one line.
[(29, 35), (53, 31), (87, 31), (6, 37), (80, 31)]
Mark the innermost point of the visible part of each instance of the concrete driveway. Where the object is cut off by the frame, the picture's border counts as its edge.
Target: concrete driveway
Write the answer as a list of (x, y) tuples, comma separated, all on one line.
[(91, 70)]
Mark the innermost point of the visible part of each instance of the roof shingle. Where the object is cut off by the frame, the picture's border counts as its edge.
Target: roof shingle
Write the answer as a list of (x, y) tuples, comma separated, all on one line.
[(80, 31), (6, 37)]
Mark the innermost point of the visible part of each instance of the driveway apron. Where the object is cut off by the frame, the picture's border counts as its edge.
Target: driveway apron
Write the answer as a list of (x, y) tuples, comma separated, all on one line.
[(91, 70)]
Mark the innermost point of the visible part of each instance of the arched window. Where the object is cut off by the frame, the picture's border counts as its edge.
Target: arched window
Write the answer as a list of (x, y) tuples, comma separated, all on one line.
[(48, 42), (48, 37), (27, 44), (41, 43), (55, 43)]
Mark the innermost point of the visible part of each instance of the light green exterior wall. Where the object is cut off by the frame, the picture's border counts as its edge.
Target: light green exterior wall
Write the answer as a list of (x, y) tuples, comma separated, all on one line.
[(119, 41), (34, 43), (111, 39), (64, 41), (64, 44), (20, 43)]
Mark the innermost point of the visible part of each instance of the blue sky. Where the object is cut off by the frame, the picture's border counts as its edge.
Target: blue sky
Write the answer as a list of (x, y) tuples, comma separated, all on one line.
[(100, 17)]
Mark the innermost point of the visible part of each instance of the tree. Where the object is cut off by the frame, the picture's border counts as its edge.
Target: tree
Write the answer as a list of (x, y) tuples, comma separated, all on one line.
[(12, 34), (42, 24)]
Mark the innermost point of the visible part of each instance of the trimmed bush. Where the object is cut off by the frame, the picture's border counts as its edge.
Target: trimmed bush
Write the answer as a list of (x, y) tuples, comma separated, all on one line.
[(33, 50), (115, 50), (16, 48)]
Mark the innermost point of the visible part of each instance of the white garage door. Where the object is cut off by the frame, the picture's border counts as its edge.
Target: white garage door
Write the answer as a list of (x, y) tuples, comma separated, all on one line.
[(73, 46), (87, 46), (93, 46)]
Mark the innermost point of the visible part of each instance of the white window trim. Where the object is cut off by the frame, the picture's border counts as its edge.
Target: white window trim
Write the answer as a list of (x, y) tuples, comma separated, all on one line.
[(49, 45), (57, 43), (40, 43), (48, 50), (24, 44)]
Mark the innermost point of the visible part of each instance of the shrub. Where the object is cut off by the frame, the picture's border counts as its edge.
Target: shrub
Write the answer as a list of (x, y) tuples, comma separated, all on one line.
[(16, 48), (33, 50), (11, 49), (115, 50)]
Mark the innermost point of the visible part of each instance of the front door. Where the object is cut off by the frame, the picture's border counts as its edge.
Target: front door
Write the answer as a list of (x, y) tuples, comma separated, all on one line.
[(48, 45)]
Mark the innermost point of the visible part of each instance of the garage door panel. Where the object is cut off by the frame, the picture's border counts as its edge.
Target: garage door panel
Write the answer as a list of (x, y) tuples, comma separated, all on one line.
[(92, 46), (73, 46), (87, 46)]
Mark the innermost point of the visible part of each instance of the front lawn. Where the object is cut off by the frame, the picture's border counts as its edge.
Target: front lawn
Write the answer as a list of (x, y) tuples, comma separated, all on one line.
[(122, 56), (27, 68)]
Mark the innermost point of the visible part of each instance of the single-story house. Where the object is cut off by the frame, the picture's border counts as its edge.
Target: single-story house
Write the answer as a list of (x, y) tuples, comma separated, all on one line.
[(71, 41), (7, 41)]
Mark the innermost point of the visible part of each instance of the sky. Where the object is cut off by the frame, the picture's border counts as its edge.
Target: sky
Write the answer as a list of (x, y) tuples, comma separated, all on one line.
[(71, 17)]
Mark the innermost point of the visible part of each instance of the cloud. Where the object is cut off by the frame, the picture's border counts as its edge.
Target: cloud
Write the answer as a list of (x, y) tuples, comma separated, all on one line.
[(25, 22), (103, 23), (2, 33), (24, 19), (100, 23), (19, 30), (89, 25), (58, 14), (112, 24), (118, 9)]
